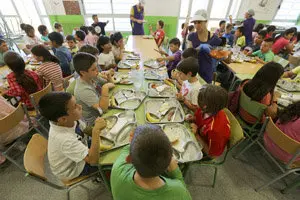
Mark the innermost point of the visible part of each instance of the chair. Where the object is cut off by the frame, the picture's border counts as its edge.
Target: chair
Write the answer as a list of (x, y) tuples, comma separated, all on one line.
[(8, 123), (236, 137), (285, 143), (34, 164), (66, 81)]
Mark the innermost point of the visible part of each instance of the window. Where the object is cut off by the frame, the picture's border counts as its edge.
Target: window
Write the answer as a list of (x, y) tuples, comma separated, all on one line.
[(122, 24), (179, 30), (7, 8), (108, 27), (199, 4), (234, 8), (41, 7), (97, 6), (123, 7), (289, 10), (13, 23), (283, 24), (184, 8), (219, 9)]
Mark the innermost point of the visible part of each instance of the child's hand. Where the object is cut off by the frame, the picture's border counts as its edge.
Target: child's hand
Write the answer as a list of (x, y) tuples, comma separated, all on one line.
[(189, 118), (194, 128), (100, 124), (139, 21), (109, 85), (179, 97), (173, 165), (159, 59)]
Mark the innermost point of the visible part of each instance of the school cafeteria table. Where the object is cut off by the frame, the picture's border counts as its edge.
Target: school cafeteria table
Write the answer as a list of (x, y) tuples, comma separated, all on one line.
[(244, 67)]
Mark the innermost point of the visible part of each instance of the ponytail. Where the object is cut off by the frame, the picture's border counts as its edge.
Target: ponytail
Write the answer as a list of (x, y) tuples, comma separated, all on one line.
[(27, 82)]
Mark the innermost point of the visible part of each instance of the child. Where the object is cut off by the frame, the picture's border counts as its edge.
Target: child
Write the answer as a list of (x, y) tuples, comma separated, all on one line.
[(270, 30), (3, 49), (159, 34), (283, 44), (255, 46), (44, 33), (30, 38), (146, 169), (188, 69), (211, 125), (257, 29), (72, 44), (189, 52), (294, 74), (49, 70), (265, 53), (174, 58), (106, 58), (221, 30), (101, 25), (61, 52), (59, 29), (80, 38), (69, 157), (240, 38), (21, 82), (91, 38), (228, 35), (87, 95), (117, 45)]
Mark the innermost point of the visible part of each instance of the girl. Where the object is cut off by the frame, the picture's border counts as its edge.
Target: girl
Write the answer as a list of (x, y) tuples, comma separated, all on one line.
[(256, 30), (283, 44), (30, 38), (49, 70), (289, 123), (58, 28), (261, 89), (44, 33), (21, 82), (271, 29), (92, 36), (106, 58), (117, 45), (80, 38)]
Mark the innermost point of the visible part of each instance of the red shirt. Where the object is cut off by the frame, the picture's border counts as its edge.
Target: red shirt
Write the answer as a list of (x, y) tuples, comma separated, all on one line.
[(16, 90), (279, 44), (159, 34), (215, 130)]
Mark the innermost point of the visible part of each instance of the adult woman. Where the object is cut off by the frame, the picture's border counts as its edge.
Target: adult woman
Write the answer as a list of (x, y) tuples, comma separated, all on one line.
[(201, 39), (137, 18), (248, 25)]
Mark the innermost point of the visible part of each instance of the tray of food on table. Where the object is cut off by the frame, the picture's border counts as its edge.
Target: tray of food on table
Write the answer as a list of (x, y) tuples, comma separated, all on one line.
[(290, 86), (128, 64), (127, 99), (155, 74), (122, 78), (161, 89), (154, 64)]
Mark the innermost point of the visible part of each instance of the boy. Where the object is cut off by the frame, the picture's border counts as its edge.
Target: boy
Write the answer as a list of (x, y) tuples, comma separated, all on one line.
[(3, 49), (188, 69), (61, 52), (189, 52), (59, 29), (68, 156), (80, 38), (98, 24), (159, 34), (255, 46), (270, 31), (87, 94), (137, 173), (72, 44), (265, 53), (228, 35), (173, 59), (219, 32), (44, 33), (240, 38), (211, 125)]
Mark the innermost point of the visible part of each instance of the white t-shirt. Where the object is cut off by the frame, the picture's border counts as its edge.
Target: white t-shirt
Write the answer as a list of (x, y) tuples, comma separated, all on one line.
[(106, 59), (190, 91), (66, 152), (116, 51), (32, 41)]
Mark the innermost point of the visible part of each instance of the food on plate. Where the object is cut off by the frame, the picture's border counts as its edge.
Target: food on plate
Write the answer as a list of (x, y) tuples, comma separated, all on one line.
[(164, 108), (150, 117), (169, 83), (104, 147), (170, 115), (113, 101), (173, 137), (162, 87)]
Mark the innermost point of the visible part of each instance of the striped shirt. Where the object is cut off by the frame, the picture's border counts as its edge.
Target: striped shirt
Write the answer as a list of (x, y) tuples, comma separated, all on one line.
[(51, 71)]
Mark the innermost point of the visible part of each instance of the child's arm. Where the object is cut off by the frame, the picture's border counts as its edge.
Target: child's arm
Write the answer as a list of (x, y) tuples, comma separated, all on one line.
[(260, 60), (104, 99), (93, 156), (168, 58), (190, 105), (288, 74)]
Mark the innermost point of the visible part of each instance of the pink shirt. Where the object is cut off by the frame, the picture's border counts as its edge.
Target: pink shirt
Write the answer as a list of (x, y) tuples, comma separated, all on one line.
[(91, 39), (279, 44), (291, 129)]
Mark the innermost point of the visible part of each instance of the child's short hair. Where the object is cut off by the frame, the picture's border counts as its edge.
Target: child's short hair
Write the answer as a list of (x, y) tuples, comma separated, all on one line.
[(269, 40), (42, 29), (103, 40), (161, 23), (263, 33), (222, 22), (187, 65), (191, 27), (190, 52), (56, 37), (70, 37), (84, 29), (271, 28), (228, 26), (81, 34), (93, 16), (116, 37), (212, 98), (92, 30), (241, 29), (289, 31), (54, 105), (89, 49), (2, 41), (83, 62), (57, 25), (150, 151), (175, 41)]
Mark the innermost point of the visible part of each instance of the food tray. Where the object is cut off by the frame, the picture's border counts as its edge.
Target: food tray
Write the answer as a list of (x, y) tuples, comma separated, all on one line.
[(128, 64), (185, 146), (127, 99), (117, 131), (161, 111), (122, 78), (288, 85), (155, 74), (160, 89), (132, 56), (153, 64)]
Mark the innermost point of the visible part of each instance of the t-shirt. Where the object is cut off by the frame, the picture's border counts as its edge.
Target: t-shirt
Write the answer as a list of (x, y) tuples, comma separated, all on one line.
[(101, 25), (87, 95), (51, 71), (279, 44), (80, 44), (172, 64), (123, 186), (267, 57), (64, 56), (116, 51), (91, 39), (248, 28), (45, 38), (241, 41), (190, 91), (229, 38), (66, 152), (74, 50), (215, 130), (252, 47), (296, 71), (32, 41), (106, 59), (159, 35)]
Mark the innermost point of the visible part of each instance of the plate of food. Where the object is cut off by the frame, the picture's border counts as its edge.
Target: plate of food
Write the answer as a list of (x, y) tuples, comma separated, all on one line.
[(122, 79), (127, 99), (161, 89), (152, 63), (128, 64)]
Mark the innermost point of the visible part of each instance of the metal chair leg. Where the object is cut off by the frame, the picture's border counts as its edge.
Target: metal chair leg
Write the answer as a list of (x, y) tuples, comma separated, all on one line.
[(245, 149), (68, 194), (215, 177), (291, 187)]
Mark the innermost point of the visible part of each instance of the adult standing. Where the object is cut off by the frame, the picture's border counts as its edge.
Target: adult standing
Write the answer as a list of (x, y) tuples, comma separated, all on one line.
[(137, 18), (248, 24), (98, 24), (203, 39)]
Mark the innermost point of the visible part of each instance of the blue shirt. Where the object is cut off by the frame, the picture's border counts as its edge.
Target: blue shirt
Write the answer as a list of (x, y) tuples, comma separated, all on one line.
[(229, 38), (64, 56)]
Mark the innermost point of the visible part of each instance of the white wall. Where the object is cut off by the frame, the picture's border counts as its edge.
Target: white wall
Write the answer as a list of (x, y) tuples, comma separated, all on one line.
[(162, 7)]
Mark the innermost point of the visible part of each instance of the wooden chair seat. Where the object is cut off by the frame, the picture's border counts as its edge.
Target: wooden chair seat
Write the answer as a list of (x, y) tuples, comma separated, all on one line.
[(74, 181)]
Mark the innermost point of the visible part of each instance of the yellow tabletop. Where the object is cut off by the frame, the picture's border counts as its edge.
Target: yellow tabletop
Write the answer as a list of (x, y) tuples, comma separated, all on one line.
[(244, 67)]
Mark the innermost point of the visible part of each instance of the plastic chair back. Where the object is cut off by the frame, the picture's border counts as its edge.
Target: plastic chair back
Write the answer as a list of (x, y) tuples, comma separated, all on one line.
[(12, 120), (35, 97)]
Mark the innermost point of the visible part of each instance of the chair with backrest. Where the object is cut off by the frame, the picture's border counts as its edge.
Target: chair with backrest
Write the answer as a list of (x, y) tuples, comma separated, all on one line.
[(66, 81), (34, 163), (236, 137)]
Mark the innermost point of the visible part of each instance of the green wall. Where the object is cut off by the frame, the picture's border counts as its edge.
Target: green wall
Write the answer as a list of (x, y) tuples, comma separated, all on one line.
[(69, 22)]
